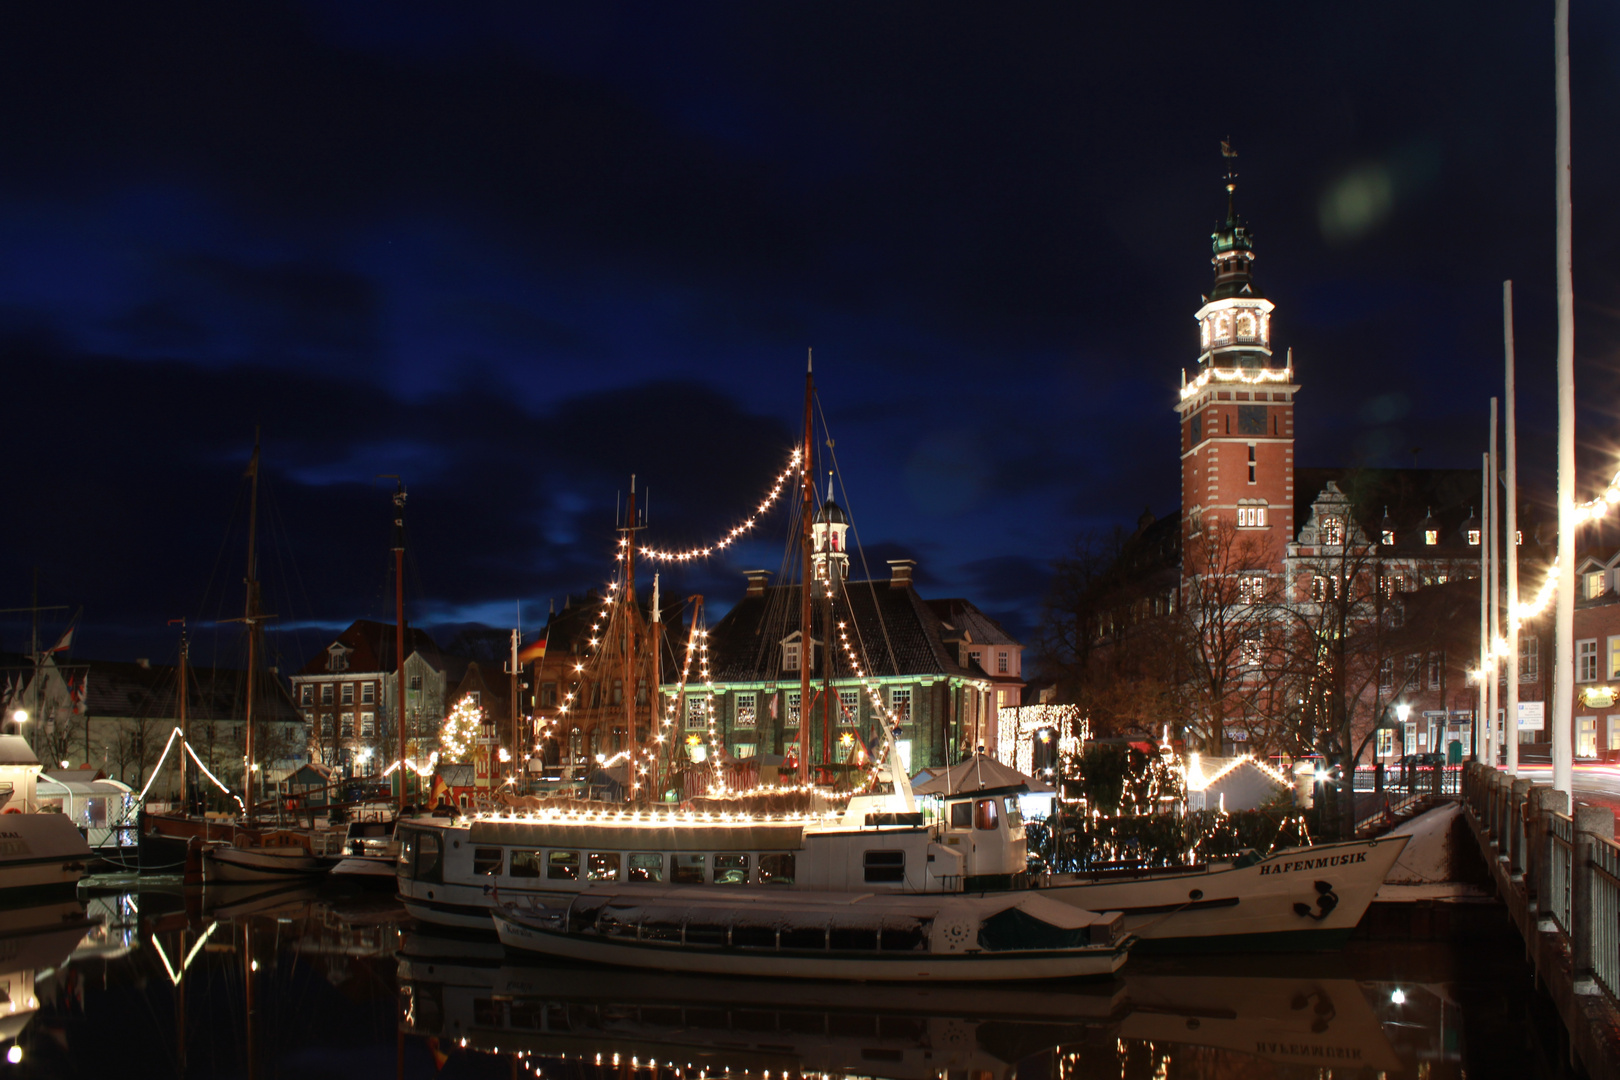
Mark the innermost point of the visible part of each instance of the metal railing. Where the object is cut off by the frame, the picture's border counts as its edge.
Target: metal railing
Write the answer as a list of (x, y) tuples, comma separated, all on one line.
[(1559, 864), (1560, 861), (1415, 780), (1606, 915)]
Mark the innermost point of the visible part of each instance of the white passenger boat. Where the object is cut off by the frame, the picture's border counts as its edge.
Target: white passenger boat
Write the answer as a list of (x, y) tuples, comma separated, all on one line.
[(1298, 898), (42, 855), (764, 932)]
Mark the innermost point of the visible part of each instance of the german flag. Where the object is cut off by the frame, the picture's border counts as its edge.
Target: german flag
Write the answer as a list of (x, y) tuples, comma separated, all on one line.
[(534, 651)]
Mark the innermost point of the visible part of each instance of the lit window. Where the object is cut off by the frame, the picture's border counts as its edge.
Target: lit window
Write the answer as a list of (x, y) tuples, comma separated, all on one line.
[(1389, 536), (1245, 326), (1251, 517), (1223, 327), (1203, 333), (1251, 588), (368, 725), (1473, 537), (1386, 742), (1332, 531), (747, 716), (1593, 585), (793, 709), (1251, 650), (697, 713), (1431, 536), (849, 706), (900, 703)]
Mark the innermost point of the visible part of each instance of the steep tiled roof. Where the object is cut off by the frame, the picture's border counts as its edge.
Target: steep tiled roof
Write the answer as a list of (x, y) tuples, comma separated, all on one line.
[(373, 648), (900, 633)]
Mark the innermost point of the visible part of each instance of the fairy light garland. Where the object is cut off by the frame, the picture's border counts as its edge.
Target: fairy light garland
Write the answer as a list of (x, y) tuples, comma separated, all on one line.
[(1249, 376), (737, 531)]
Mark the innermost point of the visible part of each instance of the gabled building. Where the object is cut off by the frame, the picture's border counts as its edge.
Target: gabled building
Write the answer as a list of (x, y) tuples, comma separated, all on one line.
[(919, 666), (347, 696)]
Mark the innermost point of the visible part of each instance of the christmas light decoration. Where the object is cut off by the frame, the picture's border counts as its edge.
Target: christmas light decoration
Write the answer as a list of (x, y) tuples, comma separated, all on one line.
[(736, 533), (460, 731), (1250, 376)]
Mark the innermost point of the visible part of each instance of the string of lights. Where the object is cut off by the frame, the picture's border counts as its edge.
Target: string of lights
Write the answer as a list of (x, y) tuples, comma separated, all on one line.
[(737, 531), (1250, 376)]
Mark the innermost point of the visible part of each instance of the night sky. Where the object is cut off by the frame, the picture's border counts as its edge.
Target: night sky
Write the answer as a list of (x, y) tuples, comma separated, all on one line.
[(516, 257)]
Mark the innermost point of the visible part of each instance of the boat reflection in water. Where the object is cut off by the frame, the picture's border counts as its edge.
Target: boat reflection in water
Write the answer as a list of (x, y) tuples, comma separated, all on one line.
[(465, 997)]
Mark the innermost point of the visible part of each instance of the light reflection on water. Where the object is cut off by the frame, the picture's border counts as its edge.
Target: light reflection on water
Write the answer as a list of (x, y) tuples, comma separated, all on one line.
[(256, 982)]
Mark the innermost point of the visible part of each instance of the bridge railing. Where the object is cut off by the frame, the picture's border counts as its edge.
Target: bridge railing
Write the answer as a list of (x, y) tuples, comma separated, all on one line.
[(1415, 780), (1566, 864)]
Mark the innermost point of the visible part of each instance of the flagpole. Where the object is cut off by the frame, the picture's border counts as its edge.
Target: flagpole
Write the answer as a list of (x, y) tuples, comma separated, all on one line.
[(1564, 617), (1493, 608), (1510, 537)]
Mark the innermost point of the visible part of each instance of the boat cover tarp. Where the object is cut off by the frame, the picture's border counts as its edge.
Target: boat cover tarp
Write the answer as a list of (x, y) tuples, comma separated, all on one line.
[(978, 774)]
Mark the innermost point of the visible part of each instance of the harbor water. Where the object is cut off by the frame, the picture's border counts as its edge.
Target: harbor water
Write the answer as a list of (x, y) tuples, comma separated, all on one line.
[(310, 981)]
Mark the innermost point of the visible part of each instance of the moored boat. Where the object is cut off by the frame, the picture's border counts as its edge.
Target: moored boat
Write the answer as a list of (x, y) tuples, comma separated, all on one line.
[(42, 855), (1298, 898), (763, 932), (273, 854)]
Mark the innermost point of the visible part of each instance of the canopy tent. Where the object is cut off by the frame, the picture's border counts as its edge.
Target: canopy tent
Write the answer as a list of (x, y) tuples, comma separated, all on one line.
[(975, 774)]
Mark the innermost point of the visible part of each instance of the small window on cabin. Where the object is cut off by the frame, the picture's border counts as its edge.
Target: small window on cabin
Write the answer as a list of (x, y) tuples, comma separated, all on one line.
[(984, 814), (776, 869), (961, 815), (563, 866), (525, 864), (690, 869), (731, 869), (602, 866), (1015, 816), (646, 866), (885, 866), (487, 860)]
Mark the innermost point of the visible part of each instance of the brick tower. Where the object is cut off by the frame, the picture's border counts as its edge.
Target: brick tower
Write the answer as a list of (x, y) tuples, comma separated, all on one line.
[(1237, 408)]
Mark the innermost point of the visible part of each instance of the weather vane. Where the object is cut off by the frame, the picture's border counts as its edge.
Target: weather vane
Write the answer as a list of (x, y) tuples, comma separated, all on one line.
[(1231, 157)]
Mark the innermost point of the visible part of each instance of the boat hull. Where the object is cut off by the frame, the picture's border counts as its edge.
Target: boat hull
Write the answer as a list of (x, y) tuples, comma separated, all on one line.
[(1095, 963), (42, 858), (234, 864), (1276, 903)]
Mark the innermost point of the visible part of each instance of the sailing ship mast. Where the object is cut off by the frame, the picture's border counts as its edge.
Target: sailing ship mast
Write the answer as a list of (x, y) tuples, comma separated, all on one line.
[(251, 618), (399, 628), (807, 514)]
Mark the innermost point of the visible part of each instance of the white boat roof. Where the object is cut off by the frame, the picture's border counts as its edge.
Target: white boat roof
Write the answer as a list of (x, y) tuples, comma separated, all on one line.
[(57, 785), (14, 750)]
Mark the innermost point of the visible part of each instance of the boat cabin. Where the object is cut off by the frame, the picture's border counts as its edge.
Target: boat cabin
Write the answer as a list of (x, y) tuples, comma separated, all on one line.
[(101, 807)]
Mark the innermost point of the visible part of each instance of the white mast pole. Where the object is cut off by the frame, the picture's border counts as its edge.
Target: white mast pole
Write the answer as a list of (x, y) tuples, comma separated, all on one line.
[(1493, 586), (1510, 537), (1482, 745), (1564, 618)]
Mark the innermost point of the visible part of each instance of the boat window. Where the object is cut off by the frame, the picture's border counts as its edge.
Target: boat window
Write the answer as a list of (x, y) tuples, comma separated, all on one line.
[(804, 937), (731, 869), (961, 815), (407, 848), (776, 869), (563, 866), (487, 860), (524, 864), (1015, 816), (705, 934), (689, 869), (885, 865), (645, 866), (984, 814), (853, 937), (602, 866), (752, 937), (427, 857)]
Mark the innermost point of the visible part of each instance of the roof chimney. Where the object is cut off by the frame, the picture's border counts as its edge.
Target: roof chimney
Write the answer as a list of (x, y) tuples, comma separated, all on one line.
[(757, 580), (900, 573)]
